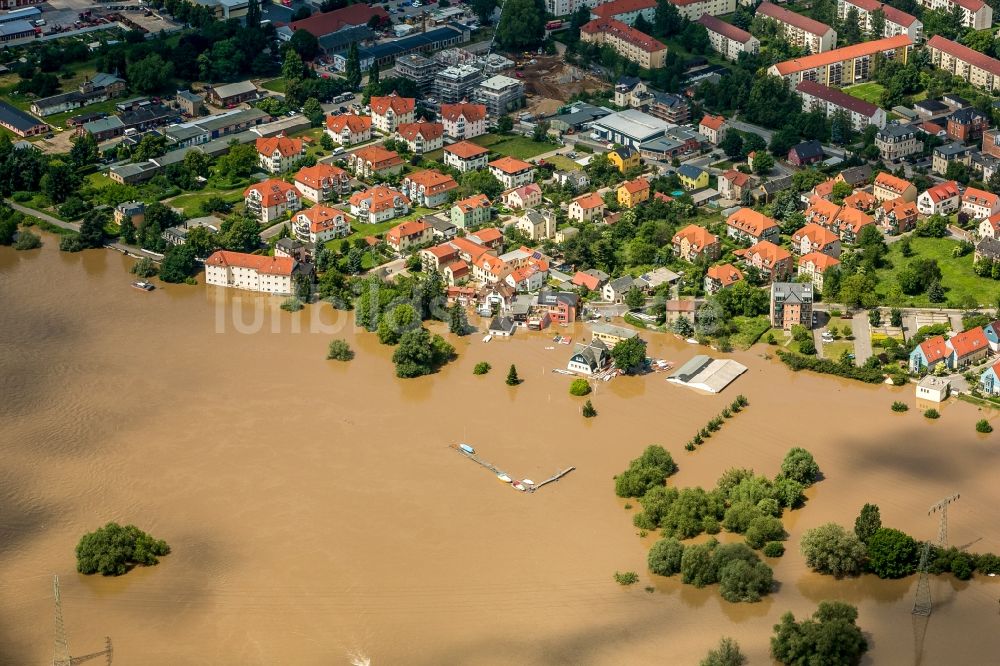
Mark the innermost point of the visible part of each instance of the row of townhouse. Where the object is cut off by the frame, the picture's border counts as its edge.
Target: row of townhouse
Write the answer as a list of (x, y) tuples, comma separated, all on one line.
[(976, 14), (955, 352), (626, 41), (896, 21), (799, 30), (845, 221), (830, 100), (978, 69)]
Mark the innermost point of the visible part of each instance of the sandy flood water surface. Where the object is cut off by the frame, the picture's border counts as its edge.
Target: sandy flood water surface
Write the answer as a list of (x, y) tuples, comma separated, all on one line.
[(316, 511)]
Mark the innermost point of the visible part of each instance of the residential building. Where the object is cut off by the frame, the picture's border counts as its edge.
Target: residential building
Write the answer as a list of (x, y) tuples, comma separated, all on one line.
[(799, 30), (862, 200), (749, 226), (989, 228), (692, 177), (190, 104), (630, 91), (471, 212), (976, 14), (720, 277), (523, 198), (322, 182), (850, 222), (791, 304), (348, 129), (418, 69), (561, 306), (843, 66), (252, 272), (421, 137), (466, 156), (626, 11), (693, 243), (978, 69), (773, 262), (967, 125), (385, 53), (19, 122), (830, 101), (929, 353), (378, 204), (614, 291), (499, 94), (806, 153), (968, 347), (895, 142), (896, 216), (229, 95), (626, 41), (728, 40), (948, 153), (992, 331), (987, 248), (612, 335), (278, 154), (577, 180), (629, 128), (456, 83), (593, 279), (589, 358), (735, 185), (989, 380), (936, 389), (290, 247), (463, 120), (888, 187), (585, 208), (271, 199), (319, 224), (978, 204), (693, 9), (815, 238), (670, 107), (991, 142), (712, 128), (100, 88), (633, 193), (374, 160), (392, 110), (404, 236), (537, 224), (624, 158), (815, 265), (942, 199), (896, 22), (132, 211), (857, 176), (512, 172)]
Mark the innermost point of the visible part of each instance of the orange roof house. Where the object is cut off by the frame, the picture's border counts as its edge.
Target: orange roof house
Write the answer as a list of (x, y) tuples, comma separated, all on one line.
[(510, 165), (721, 276), (258, 262), (399, 105), (283, 145), (471, 112), (713, 122), (968, 344), (748, 224), (466, 150), (693, 242), (273, 192), (352, 123)]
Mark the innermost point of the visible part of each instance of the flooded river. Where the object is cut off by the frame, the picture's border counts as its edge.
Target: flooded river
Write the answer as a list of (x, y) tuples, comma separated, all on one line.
[(316, 511)]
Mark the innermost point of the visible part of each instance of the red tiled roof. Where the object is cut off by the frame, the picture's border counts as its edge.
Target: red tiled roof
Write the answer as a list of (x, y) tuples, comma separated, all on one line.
[(738, 178), (587, 280), (861, 200), (815, 234), (511, 165), (381, 197), (315, 175), (427, 130), (979, 197), (930, 128), (357, 124), (853, 218), (616, 7), (841, 54), (819, 260), (399, 105), (727, 30), (589, 201), (378, 156), (473, 202), (971, 5), (623, 32), (272, 191), (837, 98), (696, 235), (965, 54), (411, 228), (287, 147), (892, 15), (725, 274), (442, 251), (799, 21), (943, 191), (969, 342), (893, 183), (258, 262), (770, 253), (712, 122), (637, 185), (901, 209), (432, 181), (486, 235), (466, 150), (321, 217), (935, 349), (352, 15), (472, 112), (750, 221)]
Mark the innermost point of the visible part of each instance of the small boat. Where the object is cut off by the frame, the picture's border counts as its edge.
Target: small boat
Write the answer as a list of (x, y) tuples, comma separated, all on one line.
[(527, 482), (691, 341), (504, 478), (145, 286), (557, 338), (550, 348), (489, 336), (563, 372), (518, 486), (466, 448), (565, 341)]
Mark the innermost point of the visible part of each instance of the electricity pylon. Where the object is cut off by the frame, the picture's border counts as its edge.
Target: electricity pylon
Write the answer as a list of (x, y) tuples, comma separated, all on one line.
[(922, 604), (62, 656)]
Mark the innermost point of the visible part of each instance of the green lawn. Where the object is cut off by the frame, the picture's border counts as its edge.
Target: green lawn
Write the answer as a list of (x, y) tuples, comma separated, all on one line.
[(957, 276), (59, 119), (833, 350), (563, 163), (191, 203), (278, 85), (520, 147), (871, 92), (750, 329), (361, 229)]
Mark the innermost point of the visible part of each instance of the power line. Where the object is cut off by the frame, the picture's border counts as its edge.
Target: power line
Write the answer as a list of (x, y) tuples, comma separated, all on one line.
[(922, 604)]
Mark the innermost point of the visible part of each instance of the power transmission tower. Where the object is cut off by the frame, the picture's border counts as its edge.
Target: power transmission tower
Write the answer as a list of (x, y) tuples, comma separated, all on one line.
[(922, 604), (62, 656)]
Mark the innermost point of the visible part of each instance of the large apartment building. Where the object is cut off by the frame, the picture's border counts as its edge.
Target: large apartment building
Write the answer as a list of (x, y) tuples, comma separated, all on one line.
[(626, 11), (727, 39), (976, 14), (897, 22), (845, 66), (692, 10), (799, 30), (629, 43), (978, 69), (830, 100), (252, 272)]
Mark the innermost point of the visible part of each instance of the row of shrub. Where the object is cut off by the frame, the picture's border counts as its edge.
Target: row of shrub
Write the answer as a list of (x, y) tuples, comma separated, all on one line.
[(712, 426), (740, 573), (798, 362)]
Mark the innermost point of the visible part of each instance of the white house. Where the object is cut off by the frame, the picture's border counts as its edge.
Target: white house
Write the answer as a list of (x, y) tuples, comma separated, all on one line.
[(378, 204), (585, 208), (537, 225), (348, 129), (589, 359), (421, 137), (463, 121), (978, 204), (322, 182), (279, 153), (466, 156), (271, 199), (512, 172), (320, 224), (252, 272), (392, 110), (941, 199)]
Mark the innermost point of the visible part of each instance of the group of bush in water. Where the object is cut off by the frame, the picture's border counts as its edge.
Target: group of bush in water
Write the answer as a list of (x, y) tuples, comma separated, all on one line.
[(739, 404)]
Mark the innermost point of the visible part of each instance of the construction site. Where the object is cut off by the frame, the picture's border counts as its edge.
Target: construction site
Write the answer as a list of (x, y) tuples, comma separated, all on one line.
[(550, 82)]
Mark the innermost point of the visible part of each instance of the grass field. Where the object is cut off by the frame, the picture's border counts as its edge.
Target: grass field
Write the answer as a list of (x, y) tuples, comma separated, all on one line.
[(191, 203), (750, 329), (520, 147), (563, 163), (957, 276), (278, 85), (871, 92), (59, 119), (361, 229)]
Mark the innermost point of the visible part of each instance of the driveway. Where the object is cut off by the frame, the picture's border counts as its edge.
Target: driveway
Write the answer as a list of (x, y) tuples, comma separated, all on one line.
[(862, 337)]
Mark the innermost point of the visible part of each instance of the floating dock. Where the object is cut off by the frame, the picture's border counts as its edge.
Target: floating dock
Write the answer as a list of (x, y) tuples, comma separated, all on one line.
[(527, 487)]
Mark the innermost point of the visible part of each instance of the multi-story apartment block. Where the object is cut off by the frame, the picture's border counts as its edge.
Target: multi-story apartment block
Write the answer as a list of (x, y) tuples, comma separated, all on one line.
[(421, 137), (320, 224), (454, 84), (693, 9), (464, 120), (844, 66), (626, 11), (895, 142), (378, 204), (271, 199), (978, 69), (897, 22), (991, 142), (278, 153), (512, 172), (374, 160), (830, 101), (389, 111), (322, 182), (466, 156), (629, 43), (252, 272), (967, 125), (799, 30), (791, 304), (727, 39), (429, 188), (976, 14), (670, 107), (348, 129), (888, 187), (500, 94)]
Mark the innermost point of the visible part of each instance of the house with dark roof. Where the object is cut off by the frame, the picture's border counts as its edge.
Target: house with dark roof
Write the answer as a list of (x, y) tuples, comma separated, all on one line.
[(19, 122), (589, 358), (791, 304), (806, 153)]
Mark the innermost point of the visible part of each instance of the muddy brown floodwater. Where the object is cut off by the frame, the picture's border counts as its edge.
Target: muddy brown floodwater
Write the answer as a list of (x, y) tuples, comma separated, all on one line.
[(315, 510)]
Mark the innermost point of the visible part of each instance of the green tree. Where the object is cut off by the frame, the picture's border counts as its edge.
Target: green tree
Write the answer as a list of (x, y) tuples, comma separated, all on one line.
[(29, 241), (877, 28), (634, 298), (800, 466), (144, 268), (521, 26), (726, 654), (113, 549), (481, 368), (830, 549), (505, 124), (830, 637), (326, 141), (178, 264), (84, 150), (312, 109), (339, 351), (512, 378), (243, 235), (732, 144), (393, 324), (648, 471), (629, 355), (935, 292), (352, 69), (419, 353), (667, 21), (762, 163), (58, 182), (92, 228), (8, 229), (741, 580), (891, 553), (202, 242), (458, 323), (474, 182), (293, 69), (868, 522), (664, 557), (579, 387), (483, 9), (305, 44), (150, 74)]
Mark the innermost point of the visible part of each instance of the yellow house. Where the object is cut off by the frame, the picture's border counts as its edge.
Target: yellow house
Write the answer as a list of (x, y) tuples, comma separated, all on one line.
[(692, 178), (633, 193), (624, 158)]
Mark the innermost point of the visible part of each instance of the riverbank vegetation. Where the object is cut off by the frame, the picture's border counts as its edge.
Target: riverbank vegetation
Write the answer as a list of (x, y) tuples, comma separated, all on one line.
[(588, 410), (579, 387), (114, 549), (830, 637), (715, 423), (339, 351), (481, 368), (727, 653), (869, 373)]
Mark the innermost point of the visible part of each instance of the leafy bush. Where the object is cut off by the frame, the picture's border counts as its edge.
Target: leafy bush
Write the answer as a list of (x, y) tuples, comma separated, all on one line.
[(291, 304), (27, 240), (71, 243), (626, 577), (726, 654), (481, 368), (932, 413), (112, 550), (892, 554), (799, 465), (982, 425), (649, 470), (762, 530), (799, 362), (830, 549), (339, 351), (579, 387), (900, 406), (144, 268), (664, 558), (774, 549), (745, 581), (830, 637)]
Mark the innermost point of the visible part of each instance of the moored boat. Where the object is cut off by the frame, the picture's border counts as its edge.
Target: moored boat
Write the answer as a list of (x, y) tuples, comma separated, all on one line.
[(144, 286), (504, 478), (466, 448), (487, 338), (527, 482), (518, 486)]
